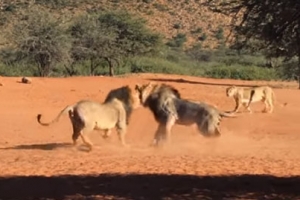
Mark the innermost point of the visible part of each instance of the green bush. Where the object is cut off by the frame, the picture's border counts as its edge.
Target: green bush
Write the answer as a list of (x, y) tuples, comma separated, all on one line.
[(241, 73), (17, 70), (219, 34), (198, 30), (9, 8), (177, 41), (203, 37), (194, 61), (155, 65), (160, 7), (288, 70), (177, 26), (54, 3), (148, 1)]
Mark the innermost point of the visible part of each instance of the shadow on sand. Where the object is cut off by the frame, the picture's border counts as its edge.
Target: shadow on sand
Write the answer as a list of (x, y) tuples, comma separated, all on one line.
[(46, 146), (180, 80), (150, 186)]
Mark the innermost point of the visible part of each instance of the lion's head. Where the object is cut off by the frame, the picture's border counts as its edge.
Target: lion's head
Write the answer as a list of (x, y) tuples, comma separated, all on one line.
[(145, 91), (129, 96), (155, 91), (231, 91)]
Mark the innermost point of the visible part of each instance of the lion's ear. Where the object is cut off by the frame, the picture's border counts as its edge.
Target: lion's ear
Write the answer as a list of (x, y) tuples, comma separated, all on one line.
[(150, 83), (137, 87)]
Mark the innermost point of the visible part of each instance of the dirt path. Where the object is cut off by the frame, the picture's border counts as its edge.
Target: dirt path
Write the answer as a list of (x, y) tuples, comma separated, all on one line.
[(245, 163)]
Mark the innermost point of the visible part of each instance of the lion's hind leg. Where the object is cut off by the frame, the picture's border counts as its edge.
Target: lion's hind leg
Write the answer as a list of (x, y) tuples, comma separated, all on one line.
[(77, 126), (75, 137), (86, 141), (208, 127), (87, 128), (217, 132), (266, 108)]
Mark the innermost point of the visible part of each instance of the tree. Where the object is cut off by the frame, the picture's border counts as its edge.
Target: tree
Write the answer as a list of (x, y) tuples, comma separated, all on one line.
[(275, 24), (91, 41), (109, 37), (39, 39)]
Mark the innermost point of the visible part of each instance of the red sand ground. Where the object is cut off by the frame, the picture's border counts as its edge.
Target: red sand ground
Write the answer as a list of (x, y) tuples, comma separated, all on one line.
[(248, 161)]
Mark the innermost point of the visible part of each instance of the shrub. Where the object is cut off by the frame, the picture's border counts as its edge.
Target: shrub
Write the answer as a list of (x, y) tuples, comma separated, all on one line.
[(148, 1), (176, 26), (177, 41), (219, 33), (198, 30), (160, 7), (203, 37), (288, 70), (242, 73), (155, 65)]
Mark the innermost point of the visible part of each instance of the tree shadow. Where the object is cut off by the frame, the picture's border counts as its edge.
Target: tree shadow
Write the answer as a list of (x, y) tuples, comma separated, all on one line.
[(150, 186), (180, 80), (46, 146)]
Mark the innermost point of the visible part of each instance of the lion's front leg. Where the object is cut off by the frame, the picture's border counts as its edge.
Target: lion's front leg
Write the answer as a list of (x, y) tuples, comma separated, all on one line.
[(247, 107), (159, 134), (170, 123), (122, 126), (169, 108), (106, 133), (163, 132), (121, 130), (238, 103), (121, 134)]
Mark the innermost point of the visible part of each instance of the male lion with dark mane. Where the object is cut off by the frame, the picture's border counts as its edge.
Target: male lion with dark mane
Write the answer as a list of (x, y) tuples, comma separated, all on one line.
[(169, 108), (87, 115)]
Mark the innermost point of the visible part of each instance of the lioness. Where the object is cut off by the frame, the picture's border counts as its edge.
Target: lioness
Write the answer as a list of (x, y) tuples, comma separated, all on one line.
[(169, 108), (87, 115), (245, 96)]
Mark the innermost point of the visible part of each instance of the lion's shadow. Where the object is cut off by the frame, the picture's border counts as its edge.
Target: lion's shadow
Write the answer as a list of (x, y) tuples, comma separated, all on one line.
[(45, 146)]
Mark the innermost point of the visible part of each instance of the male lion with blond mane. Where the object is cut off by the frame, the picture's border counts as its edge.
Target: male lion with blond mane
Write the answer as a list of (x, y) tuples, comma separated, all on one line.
[(245, 96), (168, 108), (87, 115)]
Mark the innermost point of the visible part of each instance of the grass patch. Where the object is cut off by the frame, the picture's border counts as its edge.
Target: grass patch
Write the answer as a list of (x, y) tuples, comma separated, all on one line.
[(175, 61), (242, 73)]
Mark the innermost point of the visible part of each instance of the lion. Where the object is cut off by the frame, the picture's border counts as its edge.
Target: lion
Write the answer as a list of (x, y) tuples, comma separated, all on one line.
[(246, 96), (168, 108), (129, 100), (87, 115)]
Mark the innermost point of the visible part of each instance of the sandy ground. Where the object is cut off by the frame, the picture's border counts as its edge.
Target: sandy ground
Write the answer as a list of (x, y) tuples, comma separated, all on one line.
[(257, 156)]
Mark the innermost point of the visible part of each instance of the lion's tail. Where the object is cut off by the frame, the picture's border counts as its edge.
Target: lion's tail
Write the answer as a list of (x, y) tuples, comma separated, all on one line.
[(278, 102), (227, 114), (65, 110)]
